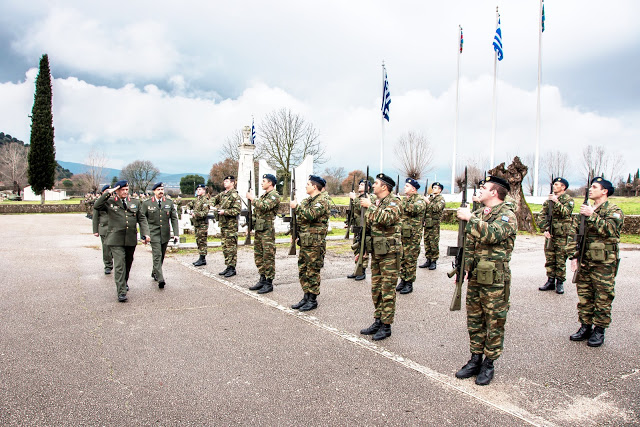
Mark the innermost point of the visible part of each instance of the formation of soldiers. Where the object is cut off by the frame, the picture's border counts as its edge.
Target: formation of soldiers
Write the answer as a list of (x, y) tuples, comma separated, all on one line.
[(392, 230)]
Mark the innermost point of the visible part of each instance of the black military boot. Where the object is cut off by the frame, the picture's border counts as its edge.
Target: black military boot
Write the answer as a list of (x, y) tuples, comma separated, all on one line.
[(471, 368), (231, 271), (432, 266), (583, 333), (426, 264), (302, 302), (559, 286), (408, 288), (260, 283), (597, 338), (311, 304), (363, 275), (154, 276), (549, 286), (486, 372), (383, 332), (373, 328), (352, 275), (267, 287), (200, 261), (400, 285), (161, 284), (223, 272)]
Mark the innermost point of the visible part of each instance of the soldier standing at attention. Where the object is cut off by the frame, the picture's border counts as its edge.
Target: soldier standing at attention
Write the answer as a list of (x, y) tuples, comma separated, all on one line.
[(433, 215), (100, 222), (556, 230), (312, 215), (160, 213), (264, 247), (122, 237), (413, 207), (200, 211), (384, 222), (356, 229), (490, 236), (595, 281), (228, 209)]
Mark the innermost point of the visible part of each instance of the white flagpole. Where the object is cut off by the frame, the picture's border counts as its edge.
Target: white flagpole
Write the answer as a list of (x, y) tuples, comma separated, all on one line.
[(455, 126), (382, 123), (537, 161), (493, 113)]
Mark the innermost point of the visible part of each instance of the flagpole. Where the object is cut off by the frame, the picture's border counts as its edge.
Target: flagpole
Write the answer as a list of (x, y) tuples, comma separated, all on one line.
[(382, 124), (493, 112), (455, 126), (537, 160)]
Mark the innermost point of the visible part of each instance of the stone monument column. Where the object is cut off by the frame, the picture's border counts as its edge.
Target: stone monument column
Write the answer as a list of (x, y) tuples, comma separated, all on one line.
[(302, 175), (245, 165)]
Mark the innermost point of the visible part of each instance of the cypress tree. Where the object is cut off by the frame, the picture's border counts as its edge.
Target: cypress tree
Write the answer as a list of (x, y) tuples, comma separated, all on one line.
[(41, 170)]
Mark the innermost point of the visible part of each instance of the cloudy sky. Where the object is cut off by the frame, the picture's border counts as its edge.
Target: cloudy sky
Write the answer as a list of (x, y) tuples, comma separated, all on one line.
[(170, 81)]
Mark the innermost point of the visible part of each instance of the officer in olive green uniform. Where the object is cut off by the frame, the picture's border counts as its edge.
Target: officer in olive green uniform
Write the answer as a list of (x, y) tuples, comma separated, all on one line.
[(413, 207), (595, 280), (122, 236), (265, 209), (227, 210), (312, 215), (490, 237), (200, 215), (162, 219), (385, 247), (356, 227), (100, 222), (433, 215), (556, 228)]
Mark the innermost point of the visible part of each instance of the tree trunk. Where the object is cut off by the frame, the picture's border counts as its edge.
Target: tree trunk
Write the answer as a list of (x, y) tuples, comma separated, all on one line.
[(514, 174), (42, 197)]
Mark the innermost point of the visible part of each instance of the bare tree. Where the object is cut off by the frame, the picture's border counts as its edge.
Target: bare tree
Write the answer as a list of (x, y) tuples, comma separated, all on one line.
[(414, 154), (555, 163), (231, 147), (334, 177), (96, 161), (13, 164), (599, 162), (140, 174), (474, 174)]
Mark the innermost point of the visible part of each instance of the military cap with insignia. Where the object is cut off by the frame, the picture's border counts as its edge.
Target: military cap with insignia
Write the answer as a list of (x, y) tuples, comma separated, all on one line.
[(563, 181), (201, 186), (270, 177), (318, 180), (607, 185), (497, 180), (105, 188), (386, 179), (230, 177), (437, 184), (413, 182), (122, 183), (156, 185)]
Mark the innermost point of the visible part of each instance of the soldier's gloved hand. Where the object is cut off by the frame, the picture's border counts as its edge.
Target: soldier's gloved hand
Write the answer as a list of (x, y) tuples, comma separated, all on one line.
[(547, 234), (147, 239)]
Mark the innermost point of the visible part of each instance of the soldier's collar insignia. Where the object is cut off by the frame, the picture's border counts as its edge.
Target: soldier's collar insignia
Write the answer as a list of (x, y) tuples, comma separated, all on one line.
[(487, 210)]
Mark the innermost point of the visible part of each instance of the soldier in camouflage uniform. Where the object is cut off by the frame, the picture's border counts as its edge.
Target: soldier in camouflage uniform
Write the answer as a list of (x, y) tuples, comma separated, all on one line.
[(199, 213), (413, 207), (490, 236), (312, 215), (384, 244), (556, 230), (595, 280), (100, 222), (433, 215), (228, 209), (356, 228), (264, 248)]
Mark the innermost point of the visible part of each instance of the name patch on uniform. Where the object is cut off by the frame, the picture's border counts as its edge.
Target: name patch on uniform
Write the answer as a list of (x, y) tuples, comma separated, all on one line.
[(505, 218)]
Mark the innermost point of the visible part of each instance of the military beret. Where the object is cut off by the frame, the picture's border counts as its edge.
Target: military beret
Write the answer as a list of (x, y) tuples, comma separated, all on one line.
[(605, 184), (270, 177), (362, 181), (562, 180), (230, 177), (437, 184), (318, 180), (156, 185), (104, 188), (121, 183), (497, 180), (413, 182), (201, 186), (481, 182), (386, 179)]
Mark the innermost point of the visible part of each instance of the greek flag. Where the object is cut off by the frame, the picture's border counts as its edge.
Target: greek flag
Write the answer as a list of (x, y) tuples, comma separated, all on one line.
[(386, 96), (461, 39), (543, 17), (497, 41), (253, 132)]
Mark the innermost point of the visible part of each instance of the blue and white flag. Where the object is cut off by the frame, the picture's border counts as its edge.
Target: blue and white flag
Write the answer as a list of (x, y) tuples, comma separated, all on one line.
[(497, 41), (253, 132), (386, 96)]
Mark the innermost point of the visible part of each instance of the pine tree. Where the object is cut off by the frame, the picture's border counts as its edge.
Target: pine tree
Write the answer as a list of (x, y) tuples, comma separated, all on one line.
[(42, 154)]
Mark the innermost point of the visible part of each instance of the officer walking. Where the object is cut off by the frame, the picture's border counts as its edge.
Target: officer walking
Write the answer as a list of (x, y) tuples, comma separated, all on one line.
[(200, 212), (228, 208), (356, 228), (413, 207), (100, 222), (122, 236), (433, 215), (162, 219), (383, 223)]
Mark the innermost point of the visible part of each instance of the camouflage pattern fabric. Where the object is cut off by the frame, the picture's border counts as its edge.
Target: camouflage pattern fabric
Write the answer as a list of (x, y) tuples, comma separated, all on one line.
[(264, 248), (383, 221), (432, 217), (413, 208), (595, 281), (355, 229), (556, 254), (200, 210), (491, 235), (312, 215), (229, 202)]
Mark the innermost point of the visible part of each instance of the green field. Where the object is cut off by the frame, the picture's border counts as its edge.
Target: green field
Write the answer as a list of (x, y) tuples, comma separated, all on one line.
[(72, 201)]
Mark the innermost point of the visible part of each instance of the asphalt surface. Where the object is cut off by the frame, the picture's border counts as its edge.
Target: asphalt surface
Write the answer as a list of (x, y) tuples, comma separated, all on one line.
[(206, 351)]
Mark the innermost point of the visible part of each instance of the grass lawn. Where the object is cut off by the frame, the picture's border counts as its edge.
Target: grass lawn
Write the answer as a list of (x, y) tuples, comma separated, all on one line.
[(72, 201)]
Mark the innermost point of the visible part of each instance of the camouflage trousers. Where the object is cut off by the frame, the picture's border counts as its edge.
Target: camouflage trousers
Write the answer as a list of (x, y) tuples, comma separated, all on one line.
[(310, 262), (201, 231), (410, 253), (157, 254), (384, 278), (122, 261), (107, 258), (596, 289), (264, 252), (432, 242), (486, 316), (556, 258), (356, 251), (230, 244)]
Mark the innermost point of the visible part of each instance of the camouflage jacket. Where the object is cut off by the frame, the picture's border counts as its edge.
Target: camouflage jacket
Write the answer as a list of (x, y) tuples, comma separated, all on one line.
[(355, 205), (413, 208), (229, 202), (266, 206), (312, 214), (434, 209), (200, 209), (383, 220), (562, 216), (491, 235), (603, 226)]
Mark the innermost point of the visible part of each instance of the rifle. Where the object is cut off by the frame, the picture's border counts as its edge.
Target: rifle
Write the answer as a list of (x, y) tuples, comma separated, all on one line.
[(398, 185), (474, 204), (363, 228), (581, 237), (294, 222), (547, 243), (248, 214), (459, 253), (426, 191), (351, 209)]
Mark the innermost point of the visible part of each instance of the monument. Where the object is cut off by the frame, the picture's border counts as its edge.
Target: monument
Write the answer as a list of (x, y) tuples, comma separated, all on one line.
[(245, 165)]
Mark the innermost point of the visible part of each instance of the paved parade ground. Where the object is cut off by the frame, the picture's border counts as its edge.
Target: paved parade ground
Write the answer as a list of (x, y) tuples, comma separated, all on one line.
[(206, 351)]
